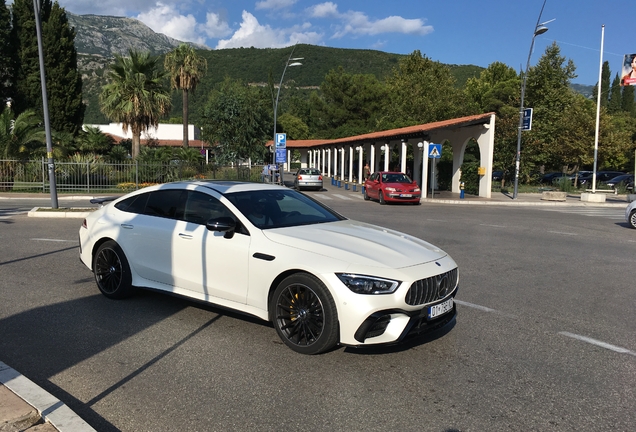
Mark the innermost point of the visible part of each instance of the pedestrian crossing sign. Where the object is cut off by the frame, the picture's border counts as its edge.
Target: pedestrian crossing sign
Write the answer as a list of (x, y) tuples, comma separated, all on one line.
[(434, 151)]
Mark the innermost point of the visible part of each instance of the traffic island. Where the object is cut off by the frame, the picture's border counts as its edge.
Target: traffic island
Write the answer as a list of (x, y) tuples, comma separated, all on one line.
[(592, 197), (553, 196)]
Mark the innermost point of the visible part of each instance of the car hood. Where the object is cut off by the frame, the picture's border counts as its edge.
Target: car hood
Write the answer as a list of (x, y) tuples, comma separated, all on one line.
[(358, 243)]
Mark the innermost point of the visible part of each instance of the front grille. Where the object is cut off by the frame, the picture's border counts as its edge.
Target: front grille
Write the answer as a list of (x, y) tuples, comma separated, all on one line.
[(431, 289)]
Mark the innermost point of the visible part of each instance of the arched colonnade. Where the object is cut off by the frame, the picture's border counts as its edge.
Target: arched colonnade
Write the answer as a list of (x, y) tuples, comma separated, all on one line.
[(344, 158)]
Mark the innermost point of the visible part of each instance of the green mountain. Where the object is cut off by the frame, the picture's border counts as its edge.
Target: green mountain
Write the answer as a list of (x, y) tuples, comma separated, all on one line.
[(99, 37)]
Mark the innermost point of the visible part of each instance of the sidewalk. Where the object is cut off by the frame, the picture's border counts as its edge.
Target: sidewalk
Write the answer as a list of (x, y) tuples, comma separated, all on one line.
[(34, 410)]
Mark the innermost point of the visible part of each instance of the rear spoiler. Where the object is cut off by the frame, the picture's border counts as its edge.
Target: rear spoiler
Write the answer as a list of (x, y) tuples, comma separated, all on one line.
[(103, 200)]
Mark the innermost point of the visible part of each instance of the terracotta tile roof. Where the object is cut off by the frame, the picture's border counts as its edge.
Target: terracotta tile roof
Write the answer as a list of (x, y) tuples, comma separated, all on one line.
[(394, 133)]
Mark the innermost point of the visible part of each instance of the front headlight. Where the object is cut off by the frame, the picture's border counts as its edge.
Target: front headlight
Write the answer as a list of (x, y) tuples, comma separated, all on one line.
[(361, 284), (389, 189), (416, 189)]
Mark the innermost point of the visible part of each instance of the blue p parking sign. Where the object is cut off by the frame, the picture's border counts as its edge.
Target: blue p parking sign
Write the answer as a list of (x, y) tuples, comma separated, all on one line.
[(281, 140)]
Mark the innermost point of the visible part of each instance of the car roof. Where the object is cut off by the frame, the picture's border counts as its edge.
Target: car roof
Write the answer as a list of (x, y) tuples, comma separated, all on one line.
[(221, 186)]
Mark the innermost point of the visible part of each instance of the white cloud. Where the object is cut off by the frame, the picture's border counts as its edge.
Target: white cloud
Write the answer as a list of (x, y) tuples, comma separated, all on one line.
[(214, 27), (359, 23), (324, 10), (253, 34), (167, 20), (274, 4)]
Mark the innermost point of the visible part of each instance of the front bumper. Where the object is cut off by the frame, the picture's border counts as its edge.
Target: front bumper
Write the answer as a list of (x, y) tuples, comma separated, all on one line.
[(395, 325)]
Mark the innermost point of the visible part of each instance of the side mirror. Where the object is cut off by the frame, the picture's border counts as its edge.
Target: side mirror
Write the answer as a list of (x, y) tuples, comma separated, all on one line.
[(223, 224)]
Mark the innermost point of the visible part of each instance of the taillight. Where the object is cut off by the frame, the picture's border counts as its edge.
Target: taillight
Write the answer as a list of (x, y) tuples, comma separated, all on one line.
[(319, 177), (300, 177), (84, 224)]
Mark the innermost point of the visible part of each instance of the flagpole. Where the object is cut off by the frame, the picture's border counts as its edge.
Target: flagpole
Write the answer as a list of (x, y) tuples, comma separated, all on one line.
[(598, 110)]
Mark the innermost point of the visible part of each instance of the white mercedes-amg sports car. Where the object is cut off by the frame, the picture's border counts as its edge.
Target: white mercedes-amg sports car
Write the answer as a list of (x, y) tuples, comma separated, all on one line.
[(274, 253)]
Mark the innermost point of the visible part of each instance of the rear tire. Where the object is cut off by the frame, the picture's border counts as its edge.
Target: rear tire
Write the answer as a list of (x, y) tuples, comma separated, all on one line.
[(304, 314), (112, 272)]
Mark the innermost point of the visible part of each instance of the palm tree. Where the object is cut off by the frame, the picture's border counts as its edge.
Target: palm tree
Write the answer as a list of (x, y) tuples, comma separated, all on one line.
[(17, 136), (186, 70), (135, 95)]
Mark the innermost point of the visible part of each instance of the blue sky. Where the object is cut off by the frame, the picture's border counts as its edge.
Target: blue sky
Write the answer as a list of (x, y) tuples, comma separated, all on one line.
[(451, 32)]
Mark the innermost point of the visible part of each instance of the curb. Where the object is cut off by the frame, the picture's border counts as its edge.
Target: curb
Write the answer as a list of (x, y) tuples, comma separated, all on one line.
[(51, 409), (34, 212), (522, 203)]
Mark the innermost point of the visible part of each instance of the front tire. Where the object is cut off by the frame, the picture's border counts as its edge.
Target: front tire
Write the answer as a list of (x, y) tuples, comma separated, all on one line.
[(112, 272), (381, 198), (632, 219), (366, 195), (304, 314)]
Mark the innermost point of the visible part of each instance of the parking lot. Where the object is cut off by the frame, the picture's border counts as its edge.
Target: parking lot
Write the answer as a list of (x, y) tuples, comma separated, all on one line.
[(544, 339)]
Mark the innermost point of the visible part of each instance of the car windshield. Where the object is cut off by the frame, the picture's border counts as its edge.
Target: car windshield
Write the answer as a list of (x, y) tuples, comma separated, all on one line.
[(281, 208), (396, 178)]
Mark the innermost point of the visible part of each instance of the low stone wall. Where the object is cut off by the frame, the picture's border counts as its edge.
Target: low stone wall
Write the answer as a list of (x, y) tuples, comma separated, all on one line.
[(553, 196)]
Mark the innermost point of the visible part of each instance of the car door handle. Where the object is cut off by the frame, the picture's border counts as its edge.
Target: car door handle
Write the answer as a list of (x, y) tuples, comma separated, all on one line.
[(185, 236), (127, 226)]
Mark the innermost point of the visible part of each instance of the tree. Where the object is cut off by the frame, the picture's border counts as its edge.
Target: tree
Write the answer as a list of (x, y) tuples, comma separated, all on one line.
[(7, 50), (548, 92), (350, 104), (237, 121), (93, 140), (28, 92), (421, 91), (18, 134), (63, 79), (498, 89), (605, 84), (135, 95), (186, 69), (615, 98), (627, 100)]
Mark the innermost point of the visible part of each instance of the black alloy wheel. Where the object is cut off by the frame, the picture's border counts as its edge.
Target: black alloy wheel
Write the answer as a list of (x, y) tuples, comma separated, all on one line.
[(304, 314), (112, 272)]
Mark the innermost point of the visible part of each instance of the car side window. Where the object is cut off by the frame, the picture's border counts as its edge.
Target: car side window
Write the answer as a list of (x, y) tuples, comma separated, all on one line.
[(134, 204), (200, 208), (166, 203)]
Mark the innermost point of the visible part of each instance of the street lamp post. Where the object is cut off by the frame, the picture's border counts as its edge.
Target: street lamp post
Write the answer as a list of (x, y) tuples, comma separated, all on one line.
[(294, 62), (540, 28)]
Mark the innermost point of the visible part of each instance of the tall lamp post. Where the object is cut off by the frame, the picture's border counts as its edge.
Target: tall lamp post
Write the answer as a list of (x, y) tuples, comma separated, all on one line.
[(290, 62), (540, 28)]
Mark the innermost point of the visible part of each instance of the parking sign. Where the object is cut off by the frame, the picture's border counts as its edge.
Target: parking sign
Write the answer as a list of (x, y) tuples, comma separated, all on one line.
[(281, 140)]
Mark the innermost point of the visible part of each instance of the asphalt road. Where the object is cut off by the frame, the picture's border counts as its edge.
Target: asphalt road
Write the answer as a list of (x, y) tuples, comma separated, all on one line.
[(544, 339)]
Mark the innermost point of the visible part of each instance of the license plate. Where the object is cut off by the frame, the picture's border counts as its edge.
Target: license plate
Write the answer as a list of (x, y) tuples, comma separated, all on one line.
[(406, 195), (440, 309)]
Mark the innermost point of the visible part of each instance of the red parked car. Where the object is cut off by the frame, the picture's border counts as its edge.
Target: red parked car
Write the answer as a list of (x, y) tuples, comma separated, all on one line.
[(388, 186)]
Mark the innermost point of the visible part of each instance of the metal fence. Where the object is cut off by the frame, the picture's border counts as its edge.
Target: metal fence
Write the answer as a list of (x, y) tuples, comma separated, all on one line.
[(32, 175)]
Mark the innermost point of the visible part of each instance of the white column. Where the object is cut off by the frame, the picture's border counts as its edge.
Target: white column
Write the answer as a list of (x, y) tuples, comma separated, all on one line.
[(403, 157), (328, 162), (342, 162), (360, 149), (387, 155), (372, 158), (335, 162), (350, 164)]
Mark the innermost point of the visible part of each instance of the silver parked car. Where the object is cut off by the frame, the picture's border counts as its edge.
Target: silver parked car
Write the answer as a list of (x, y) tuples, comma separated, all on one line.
[(308, 178), (630, 214)]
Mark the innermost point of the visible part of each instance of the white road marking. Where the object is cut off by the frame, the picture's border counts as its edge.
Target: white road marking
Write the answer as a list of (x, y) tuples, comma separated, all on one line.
[(322, 197), (343, 197), (494, 226), (53, 240), (563, 233), (475, 306), (599, 343)]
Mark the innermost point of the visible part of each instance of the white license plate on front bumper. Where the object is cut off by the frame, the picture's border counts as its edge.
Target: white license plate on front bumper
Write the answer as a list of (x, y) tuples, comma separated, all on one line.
[(440, 309), (406, 195)]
